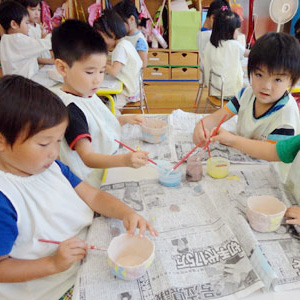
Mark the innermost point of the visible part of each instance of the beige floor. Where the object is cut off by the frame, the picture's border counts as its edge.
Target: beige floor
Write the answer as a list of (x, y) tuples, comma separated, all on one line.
[(164, 97)]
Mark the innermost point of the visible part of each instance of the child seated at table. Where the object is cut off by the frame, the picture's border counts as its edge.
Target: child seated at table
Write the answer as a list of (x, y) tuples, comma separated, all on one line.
[(203, 36), (287, 151), (41, 198), (80, 57), (266, 111), (19, 52), (125, 62), (128, 12), (223, 54), (36, 30)]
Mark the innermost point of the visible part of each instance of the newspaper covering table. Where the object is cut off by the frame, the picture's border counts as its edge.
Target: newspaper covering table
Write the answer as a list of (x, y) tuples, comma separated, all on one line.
[(206, 248)]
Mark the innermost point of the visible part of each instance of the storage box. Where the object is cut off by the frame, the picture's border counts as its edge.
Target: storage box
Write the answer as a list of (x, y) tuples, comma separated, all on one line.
[(184, 28), (158, 58), (184, 58), (185, 73), (157, 73)]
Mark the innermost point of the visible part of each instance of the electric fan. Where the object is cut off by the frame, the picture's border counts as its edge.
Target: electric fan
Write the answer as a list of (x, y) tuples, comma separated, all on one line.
[(282, 11)]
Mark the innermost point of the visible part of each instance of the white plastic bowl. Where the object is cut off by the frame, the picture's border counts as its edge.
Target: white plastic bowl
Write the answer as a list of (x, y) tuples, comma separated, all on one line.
[(153, 130)]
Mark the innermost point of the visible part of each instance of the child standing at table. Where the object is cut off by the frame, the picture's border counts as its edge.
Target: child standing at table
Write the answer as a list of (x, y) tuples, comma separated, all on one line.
[(266, 111), (19, 52), (128, 12), (203, 36), (223, 54), (41, 198), (80, 57), (287, 151), (125, 63)]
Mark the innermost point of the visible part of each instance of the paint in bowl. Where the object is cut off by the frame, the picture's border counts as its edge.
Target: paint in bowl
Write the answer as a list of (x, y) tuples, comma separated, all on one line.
[(153, 130), (172, 179), (265, 213), (218, 167), (129, 257)]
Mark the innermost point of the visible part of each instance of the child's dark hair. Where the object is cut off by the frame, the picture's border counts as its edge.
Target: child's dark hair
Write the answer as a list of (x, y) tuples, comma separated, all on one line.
[(297, 29), (111, 24), (11, 11), (215, 7), (30, 3), (27, 105), (276, 52), (126, 9), (225, 23), (75, 40)]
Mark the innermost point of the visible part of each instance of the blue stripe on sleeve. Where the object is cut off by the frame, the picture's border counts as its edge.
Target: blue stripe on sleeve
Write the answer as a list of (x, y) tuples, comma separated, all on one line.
[(233, 105), (73, 179), (141, 45), (280, 134)]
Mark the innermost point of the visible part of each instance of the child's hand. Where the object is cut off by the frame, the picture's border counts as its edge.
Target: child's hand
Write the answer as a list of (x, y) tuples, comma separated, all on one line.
[(134, 119), (136, 159), (223, 136), (132, 221), (293, 212), (68, 252), (199, 135)]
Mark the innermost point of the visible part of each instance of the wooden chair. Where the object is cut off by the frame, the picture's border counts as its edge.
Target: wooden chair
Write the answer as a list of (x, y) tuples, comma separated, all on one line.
[(215, 101), (143, 103)]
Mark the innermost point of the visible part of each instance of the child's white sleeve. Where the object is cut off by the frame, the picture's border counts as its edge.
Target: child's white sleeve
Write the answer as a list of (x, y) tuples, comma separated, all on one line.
[(119, 54)]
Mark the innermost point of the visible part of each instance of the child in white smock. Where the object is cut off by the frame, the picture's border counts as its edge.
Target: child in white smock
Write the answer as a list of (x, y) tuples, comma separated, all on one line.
[(80, 56), (125, 62), (266, 111), (19, 52), (223, 54), (128, 12), (40, 198)]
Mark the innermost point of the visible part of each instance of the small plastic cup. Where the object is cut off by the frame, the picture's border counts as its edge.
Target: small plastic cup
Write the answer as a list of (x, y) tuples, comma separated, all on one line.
[(129, 257), (194, 168), (153, 130), (265, 213), (171, 180), (218, 167)]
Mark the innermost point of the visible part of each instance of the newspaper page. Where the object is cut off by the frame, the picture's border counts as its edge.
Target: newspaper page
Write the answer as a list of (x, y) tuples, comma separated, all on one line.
[(198, 256), (275, 256)]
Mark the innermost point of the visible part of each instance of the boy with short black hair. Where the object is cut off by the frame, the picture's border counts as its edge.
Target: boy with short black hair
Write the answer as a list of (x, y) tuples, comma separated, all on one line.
[(266, 110), (19, 52), (80, 57)]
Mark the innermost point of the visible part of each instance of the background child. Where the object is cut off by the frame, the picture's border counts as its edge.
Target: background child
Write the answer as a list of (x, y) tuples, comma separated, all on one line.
[(19, 52), (125, 64), (224, 53), (36, 30), (80, 54), (128, 12), (297, 29), (204, 33), (42, 198), (287, 151), (266, 111)]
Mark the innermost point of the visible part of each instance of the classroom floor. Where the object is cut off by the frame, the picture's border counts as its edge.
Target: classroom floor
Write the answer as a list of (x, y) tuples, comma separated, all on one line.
[(164, 97)]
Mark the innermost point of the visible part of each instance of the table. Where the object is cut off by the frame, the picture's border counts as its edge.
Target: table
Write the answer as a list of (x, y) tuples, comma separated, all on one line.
[(203, 232), (110, 86)]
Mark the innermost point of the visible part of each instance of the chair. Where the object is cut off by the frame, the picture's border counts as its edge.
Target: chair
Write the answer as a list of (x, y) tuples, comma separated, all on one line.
[(215, 101), (143, 103), (200, 90)]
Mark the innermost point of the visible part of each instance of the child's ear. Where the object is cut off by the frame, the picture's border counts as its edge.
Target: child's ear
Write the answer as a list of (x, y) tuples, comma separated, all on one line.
[(61, 67), (2, 142), (14, 25)]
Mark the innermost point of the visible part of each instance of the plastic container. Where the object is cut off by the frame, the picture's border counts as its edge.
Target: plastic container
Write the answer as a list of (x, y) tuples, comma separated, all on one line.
[(218, 167), (159, 38), (129, 257), (194, 168), (153, 130), (265, 213), (171, 180)]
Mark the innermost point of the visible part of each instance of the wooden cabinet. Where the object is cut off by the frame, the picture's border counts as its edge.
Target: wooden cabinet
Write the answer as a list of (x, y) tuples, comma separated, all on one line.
[(183, 64)]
